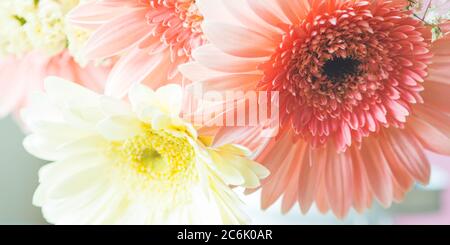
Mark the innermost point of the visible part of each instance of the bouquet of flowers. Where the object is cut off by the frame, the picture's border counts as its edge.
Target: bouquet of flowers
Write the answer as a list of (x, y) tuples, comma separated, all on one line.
[(153, 111)]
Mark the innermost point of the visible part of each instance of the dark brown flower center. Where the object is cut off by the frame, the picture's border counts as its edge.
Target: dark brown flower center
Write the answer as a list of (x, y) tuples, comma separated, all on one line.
[(338, 69)]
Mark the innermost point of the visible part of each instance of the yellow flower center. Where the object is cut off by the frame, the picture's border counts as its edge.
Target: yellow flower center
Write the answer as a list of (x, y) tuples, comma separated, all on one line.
[(161, 159)]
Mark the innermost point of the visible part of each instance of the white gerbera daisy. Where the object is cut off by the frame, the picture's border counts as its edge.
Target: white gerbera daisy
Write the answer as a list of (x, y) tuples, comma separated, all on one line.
[(131, 163)]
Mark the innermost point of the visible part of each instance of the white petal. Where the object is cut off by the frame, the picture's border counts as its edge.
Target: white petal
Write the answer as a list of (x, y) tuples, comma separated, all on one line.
[(170, 97), (119, 127), (39, 109), (229, 205), (60, 170), (148, 113), (140, 97), (233, 167), (48, 137), (161, 121), (61, 91), (225, 170), (111, 106)]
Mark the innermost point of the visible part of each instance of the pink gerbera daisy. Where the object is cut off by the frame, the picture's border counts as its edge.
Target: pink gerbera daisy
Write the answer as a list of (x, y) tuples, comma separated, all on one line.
[(22, 76), (152, 36), (363, 93)]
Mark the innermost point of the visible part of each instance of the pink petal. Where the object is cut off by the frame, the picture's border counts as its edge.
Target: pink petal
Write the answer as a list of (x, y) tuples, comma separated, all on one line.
[(378, 172), (278, 182), (238, 41), (430, 137), (194, 71), (362, 196), (410, 154), (93, 14), (118, 35), (215, 59), (132, 68), (267, 11), (338, 180), (310, 176)]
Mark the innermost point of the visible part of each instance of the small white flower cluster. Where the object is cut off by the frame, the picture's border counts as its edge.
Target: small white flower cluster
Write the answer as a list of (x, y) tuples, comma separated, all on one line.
[(38, 25), (432, 11)]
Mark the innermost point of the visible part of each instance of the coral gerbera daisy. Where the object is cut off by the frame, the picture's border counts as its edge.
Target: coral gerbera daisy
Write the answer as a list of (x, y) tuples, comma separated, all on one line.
[(153, 37), (116, 162), (362, 90)]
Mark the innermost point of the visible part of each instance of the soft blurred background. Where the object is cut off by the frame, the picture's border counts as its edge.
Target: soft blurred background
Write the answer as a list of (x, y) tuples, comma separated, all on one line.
[(18, 177), (423, 205)]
